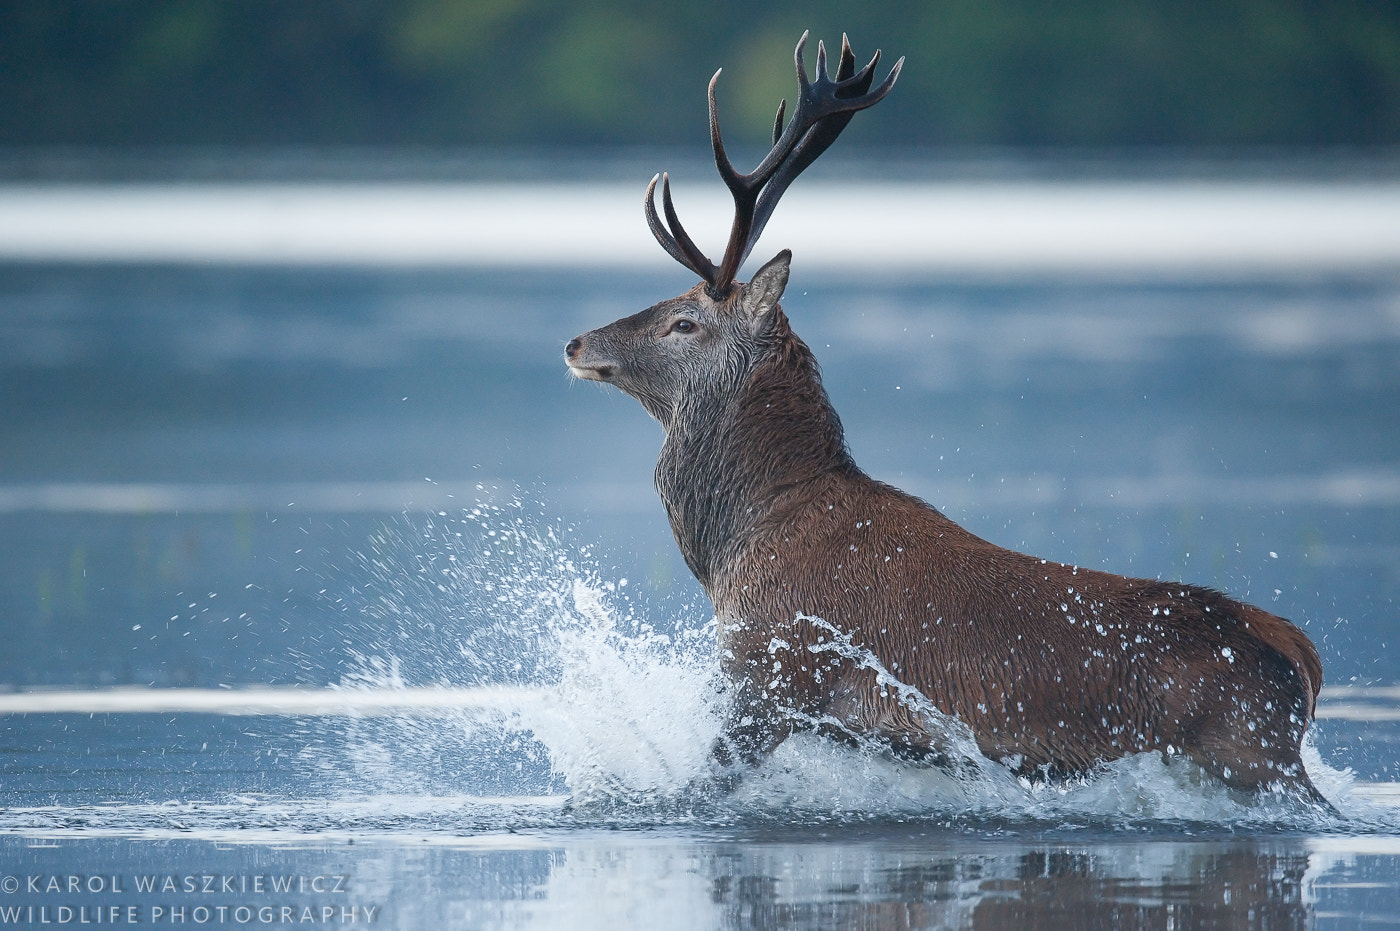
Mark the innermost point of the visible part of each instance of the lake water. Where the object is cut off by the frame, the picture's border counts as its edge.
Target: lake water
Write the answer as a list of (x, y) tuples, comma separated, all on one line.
[(326, 596)]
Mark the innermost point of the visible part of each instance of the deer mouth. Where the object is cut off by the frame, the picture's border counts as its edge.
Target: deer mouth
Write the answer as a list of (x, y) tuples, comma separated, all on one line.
[(592, 372)]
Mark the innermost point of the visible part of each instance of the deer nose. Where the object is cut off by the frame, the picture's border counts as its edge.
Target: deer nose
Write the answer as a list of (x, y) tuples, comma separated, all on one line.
[(572, 348)]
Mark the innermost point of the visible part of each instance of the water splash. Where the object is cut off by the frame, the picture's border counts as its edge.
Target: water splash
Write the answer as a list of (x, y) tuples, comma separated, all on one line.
[(609, 703), (615, 703)]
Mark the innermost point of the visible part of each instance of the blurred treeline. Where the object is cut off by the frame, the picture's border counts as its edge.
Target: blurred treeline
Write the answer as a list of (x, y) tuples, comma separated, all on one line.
[(629, 72)]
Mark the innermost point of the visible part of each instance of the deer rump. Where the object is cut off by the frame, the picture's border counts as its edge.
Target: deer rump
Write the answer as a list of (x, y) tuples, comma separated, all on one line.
[(1054, 668)]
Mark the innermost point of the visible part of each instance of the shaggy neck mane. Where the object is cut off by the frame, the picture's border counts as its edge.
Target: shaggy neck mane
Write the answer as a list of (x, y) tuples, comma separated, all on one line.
[(738, 446)]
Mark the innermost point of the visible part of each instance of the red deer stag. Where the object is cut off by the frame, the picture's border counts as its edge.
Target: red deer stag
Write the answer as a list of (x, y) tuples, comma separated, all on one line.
[(812, 565)]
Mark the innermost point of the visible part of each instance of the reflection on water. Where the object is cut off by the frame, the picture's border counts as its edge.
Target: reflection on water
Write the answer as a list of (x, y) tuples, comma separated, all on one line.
[(883, 877), (1082, 886)]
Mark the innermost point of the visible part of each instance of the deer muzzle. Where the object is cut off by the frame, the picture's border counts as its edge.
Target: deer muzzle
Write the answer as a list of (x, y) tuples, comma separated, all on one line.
[(577, 357)]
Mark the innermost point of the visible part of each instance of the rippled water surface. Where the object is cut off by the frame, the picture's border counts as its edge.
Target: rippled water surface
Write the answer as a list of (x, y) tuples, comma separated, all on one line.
[(327, 598)]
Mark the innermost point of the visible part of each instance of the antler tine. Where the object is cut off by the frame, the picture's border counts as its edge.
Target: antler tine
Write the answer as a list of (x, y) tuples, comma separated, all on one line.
[(846, 70), (797, 60), (680, 246), (727, 171), (743, 188), (873, 97), (663, 235), (846, 65), (702, 267)]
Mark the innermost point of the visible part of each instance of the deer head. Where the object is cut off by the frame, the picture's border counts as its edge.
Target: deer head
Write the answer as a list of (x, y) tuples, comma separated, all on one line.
[(695, 345)]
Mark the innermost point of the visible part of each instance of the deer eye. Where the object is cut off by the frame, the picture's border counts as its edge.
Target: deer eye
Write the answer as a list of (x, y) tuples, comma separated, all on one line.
[(684, 326)]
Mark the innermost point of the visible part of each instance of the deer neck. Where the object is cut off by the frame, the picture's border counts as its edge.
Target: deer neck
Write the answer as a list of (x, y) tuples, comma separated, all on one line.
[(734, 452)]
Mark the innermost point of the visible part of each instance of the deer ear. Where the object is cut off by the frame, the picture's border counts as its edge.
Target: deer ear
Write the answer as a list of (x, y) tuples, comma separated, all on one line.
[(763, 291)]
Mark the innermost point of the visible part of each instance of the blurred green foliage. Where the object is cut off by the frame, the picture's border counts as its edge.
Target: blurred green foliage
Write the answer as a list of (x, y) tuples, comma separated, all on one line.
[(621, 72)]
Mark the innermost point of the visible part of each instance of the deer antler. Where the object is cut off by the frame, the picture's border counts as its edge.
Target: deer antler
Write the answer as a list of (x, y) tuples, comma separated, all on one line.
[(824, 107)]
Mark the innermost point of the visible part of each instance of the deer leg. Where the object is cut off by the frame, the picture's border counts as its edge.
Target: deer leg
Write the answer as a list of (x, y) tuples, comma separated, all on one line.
[(1259, 771), (752, 730), (864, 715)]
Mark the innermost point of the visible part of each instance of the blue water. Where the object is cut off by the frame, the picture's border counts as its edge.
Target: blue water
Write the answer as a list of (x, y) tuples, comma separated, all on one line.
[(370, 480)]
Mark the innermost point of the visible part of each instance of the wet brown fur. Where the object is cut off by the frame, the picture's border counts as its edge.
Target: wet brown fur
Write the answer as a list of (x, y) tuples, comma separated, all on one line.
[(1054, 668)]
